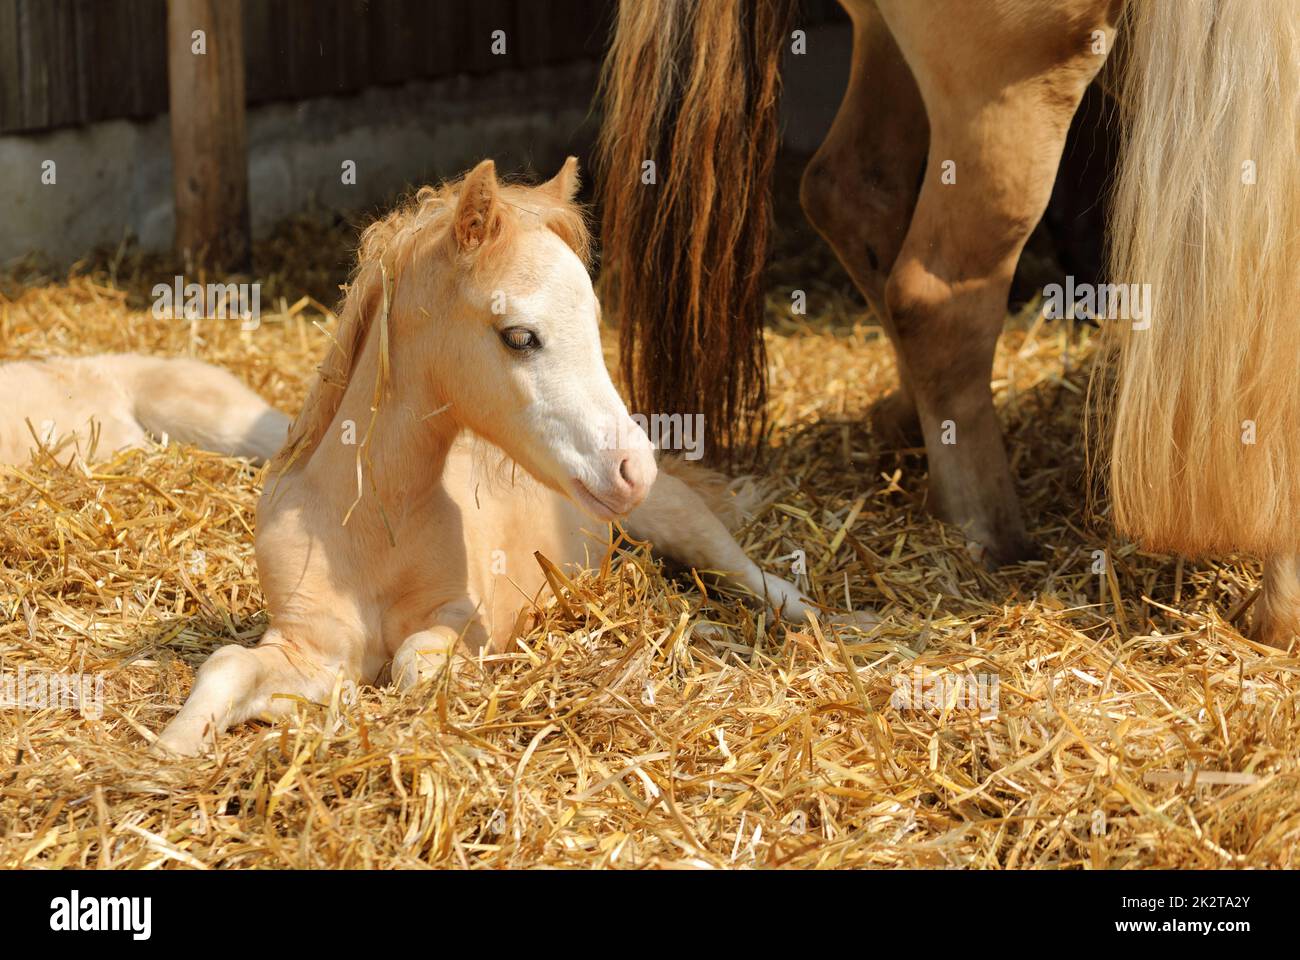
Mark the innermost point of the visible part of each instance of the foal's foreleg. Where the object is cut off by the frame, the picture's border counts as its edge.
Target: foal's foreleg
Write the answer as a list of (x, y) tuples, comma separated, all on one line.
[(241, 683), (424, 654), (679, 524)]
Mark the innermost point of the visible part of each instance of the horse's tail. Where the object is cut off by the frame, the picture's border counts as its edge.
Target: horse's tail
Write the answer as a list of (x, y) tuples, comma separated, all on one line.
[(197, 403), (1206, 210), (686, 155)]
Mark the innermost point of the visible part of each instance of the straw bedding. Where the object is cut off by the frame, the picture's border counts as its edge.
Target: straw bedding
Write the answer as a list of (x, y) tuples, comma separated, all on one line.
[(1133, 724)]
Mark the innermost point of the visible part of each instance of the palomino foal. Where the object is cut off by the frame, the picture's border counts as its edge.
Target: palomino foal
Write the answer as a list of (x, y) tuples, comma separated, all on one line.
[(471, 316), (102, 404)]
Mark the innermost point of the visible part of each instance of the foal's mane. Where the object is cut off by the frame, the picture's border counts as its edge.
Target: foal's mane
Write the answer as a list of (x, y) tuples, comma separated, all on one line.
[(417, 233)]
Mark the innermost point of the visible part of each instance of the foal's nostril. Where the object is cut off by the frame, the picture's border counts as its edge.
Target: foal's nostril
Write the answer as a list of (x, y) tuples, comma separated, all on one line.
[(625, 472)]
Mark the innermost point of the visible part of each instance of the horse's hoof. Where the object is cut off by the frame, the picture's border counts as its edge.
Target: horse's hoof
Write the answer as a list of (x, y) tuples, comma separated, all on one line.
[(894, 421), (1271, 632), (994, 554)]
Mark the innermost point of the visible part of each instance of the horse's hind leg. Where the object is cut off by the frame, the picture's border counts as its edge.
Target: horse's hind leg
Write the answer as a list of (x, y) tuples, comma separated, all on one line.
[(1276, 617), (241, 683), (999, 89), (860, 187)]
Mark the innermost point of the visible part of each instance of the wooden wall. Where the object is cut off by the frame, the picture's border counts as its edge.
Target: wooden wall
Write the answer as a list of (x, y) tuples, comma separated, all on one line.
[(70, 62)]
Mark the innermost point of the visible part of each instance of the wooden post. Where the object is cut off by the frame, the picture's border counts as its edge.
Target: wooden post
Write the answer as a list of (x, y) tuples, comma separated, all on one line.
[(205, 68)]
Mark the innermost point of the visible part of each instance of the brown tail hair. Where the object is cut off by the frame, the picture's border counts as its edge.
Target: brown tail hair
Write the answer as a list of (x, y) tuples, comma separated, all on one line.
[(691, 87), (1205, 420)]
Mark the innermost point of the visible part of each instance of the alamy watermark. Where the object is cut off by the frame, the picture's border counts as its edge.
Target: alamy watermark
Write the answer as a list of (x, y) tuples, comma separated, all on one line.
[(1099, 301), (46, 690), (179, 300), (75, 913), (667, 431), (934, 690)]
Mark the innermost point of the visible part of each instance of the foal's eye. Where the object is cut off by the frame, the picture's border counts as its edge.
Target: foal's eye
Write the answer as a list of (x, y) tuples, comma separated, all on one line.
[(520, 338)]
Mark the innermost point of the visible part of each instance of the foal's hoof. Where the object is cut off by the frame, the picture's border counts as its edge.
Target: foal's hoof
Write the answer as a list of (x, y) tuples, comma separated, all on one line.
[(411, 668), (864, 620), (176, 745)]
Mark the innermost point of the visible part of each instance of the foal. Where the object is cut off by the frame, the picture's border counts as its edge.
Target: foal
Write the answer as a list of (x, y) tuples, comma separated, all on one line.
[(379, 539)]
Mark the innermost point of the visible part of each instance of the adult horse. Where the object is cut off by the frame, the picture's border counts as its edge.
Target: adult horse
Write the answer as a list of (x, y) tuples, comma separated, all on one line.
[(939, 163)]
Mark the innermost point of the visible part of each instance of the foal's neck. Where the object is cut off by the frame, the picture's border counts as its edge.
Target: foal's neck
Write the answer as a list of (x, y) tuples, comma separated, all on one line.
[(402, 446)]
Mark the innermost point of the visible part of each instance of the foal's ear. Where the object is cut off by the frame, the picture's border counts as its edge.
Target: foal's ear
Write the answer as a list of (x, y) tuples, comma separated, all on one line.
[(476, 214), (564, 184)]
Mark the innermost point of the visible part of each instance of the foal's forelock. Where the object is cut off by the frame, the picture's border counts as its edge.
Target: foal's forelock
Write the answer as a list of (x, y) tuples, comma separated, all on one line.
[(426, 219), (417, 236)]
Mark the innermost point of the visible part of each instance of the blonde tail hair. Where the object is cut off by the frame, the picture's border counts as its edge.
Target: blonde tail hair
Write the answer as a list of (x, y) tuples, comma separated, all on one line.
[(1205, 453)]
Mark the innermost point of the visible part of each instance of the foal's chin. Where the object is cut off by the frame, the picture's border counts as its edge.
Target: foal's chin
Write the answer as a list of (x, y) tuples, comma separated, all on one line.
[(595, 507), (604, 508)]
